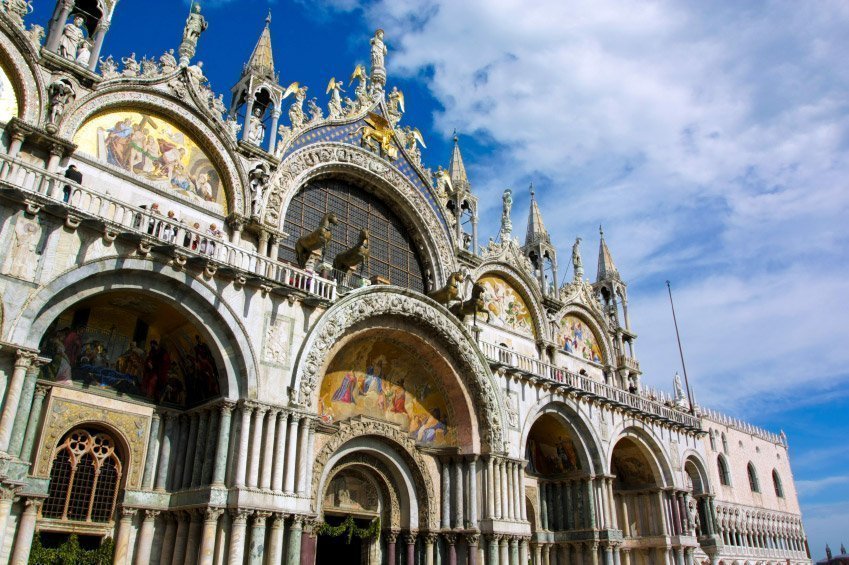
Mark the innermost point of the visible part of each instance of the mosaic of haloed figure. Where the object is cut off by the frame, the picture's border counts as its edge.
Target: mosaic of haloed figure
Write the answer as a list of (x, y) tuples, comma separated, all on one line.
[(131, 344), (504, 307), (386, 381), (574, 336), (156, 150), (550, 449)]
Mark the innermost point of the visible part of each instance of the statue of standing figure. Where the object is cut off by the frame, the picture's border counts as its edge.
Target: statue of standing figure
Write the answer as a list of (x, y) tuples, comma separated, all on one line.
[(257, 133), (60, 95), (506, 223), (378, 60), (195, 25), (258, 181), (577, 262), (72, 38)]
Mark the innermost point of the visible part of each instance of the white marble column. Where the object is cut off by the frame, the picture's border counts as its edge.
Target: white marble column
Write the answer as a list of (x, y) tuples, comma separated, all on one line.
[(189, 451), (122, 539), (293, 551), (457, 502), (292, 455), (522, 506), (152, 451), (256, 445), (244, 444), (207, 540), (497, 487), (164, 452), (167, 549), (275, 538), (26, 529), (237, 536), (13, 396), (180, 537), (279, 451), (182, 426), (489, 485), (195, 532), (506, 504), (219, 471), (303, 450), (145, 543), (517, 493), (200, 447), (257, 543), (7, 498), (446, 494), (473, 490), (208, 464), (268, 449)]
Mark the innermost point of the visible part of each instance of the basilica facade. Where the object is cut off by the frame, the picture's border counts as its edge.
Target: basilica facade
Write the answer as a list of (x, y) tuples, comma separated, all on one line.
[(261, 330)]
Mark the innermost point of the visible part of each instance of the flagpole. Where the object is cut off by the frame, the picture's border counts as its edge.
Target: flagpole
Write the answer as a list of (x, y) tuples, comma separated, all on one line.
[(681, 350)]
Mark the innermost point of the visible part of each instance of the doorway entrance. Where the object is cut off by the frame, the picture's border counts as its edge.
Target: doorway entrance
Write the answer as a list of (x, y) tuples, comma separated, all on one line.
[(339, 550)]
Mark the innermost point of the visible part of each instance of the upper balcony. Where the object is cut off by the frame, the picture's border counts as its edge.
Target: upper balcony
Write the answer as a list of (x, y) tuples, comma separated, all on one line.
[(152, 231), (583, 386)]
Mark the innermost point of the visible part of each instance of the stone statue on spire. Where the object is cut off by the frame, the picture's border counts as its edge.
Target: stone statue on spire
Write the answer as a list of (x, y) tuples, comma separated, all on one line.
[(378, 61), (577, 262), (506, 223), (195, 25)]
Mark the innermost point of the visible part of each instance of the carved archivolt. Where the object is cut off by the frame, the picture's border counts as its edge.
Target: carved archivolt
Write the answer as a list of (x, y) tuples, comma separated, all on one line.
[(126, 97), (404, 446), (65, 415), (18, 55), (323, 158), (381, 479), (418, 310)]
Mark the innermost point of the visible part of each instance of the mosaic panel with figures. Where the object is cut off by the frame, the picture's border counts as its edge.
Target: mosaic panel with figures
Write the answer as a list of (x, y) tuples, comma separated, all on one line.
[(8, 98), (574, 336), (505, 307), (385, 381), (550, 449), (155, 149), (134, 345)]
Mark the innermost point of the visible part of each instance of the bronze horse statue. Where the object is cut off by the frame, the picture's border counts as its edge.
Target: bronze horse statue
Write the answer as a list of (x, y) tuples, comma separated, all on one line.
[(316, 240), (449, 292), (472, 306), (357, 255)]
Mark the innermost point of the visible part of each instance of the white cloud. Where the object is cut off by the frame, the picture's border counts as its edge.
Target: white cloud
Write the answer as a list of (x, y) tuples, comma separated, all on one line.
[(711, 140), (814, 486)]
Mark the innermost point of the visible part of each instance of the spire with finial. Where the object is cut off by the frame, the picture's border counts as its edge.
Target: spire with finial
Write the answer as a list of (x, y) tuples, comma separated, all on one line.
[(536, 228), (456, 169), (606, 268), (262, 58)]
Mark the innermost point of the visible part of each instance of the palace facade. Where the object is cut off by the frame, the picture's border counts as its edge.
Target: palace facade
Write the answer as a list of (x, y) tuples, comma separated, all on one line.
[(265, 332)]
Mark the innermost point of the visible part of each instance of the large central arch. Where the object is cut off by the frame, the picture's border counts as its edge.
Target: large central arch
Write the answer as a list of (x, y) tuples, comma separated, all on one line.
[(382, 303)]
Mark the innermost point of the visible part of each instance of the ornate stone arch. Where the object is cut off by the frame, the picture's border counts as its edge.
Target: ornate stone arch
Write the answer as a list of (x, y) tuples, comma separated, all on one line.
[(597, 326), (587, 442), (398, 452), (329, 158), (19, 56), (525, 285), (194, 298), (383, 301), (211, 138), (385, 484), (651, 447), (701, 467)]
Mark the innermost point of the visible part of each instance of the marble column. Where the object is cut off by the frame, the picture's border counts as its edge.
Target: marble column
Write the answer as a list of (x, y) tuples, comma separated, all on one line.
[(99, 36), (410, 540), (23, 415), (26, 529), (237, 536), (164, 453), (279, 451), (303, 449), (503, 551), (209, 459), (244, 444), (13, 396), (569, 519), (167, 550), (472, 545), (450, 540), (268, 449), (257, 545), (608, 555), (292, 455), (34, 422), (152, 450), (589, 506), (505, 490), (293, 555), (145, 543), (190, 447), (518, 499), (490, 489), (545, 556), (492, 547), (457, 503), (256, 445), (473, 491), (7, 498), (514, 551), (122, 538), (536, 548), (219, 471), (181, 538), (497, 487), (200, 448), (445, 494), (309, 543), (559, 506), (543, 504), (617, 560), (522, 505), (176, 480), (429, 540), (195, 532), (207, 540), (275, 538)]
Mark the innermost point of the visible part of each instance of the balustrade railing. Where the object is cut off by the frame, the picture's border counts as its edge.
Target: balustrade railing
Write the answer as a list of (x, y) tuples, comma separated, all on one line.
[(583, 384), (158, 230)]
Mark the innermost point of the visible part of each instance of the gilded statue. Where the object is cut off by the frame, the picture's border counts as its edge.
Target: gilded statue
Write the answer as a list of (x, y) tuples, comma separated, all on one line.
[(473, 305), (296, 111), (318, 239), (334, 107), (355, 256), (396, 105), (450, 292), (379, 131), (361, 90)]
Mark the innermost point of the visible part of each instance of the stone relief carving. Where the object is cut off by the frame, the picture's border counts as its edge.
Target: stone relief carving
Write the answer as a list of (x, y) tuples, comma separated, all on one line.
[(65, 414), (286, 181), (278, 340), (22, 261), (361, 427), (512, 408), (373, 302)]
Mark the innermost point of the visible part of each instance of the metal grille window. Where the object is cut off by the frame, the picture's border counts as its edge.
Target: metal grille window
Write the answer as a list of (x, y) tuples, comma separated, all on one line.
[(84, 478), (392, 253)]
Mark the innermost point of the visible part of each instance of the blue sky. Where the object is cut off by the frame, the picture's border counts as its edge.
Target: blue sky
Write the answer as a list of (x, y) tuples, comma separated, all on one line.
[(710, 139)]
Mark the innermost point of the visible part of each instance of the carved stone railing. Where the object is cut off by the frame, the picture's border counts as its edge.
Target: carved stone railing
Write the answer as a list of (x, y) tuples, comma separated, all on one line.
[(585, 386), (154, 231), (745, 427), (628, 363)]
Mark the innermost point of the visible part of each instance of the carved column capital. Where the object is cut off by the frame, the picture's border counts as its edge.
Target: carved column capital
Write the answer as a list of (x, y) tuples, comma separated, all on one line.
[(150, 514), (240, 515), (391, 536), (24, 358)]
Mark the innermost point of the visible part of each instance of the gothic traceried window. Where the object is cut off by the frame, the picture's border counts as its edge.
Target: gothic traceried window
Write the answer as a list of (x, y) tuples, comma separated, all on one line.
[(776, 481), (392, 251), (84, 478), (724, 476), (724, 444), (753, 479)]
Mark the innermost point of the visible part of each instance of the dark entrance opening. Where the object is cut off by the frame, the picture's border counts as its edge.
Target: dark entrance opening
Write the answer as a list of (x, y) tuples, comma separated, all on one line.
[(335, 550)]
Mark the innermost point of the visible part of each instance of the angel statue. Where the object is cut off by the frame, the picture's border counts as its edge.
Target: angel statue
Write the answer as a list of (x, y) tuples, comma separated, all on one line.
[(360, 90), (108, 67), (316, 113), (131, 66), (334, 107), (378, 60), (396, 105), (412, 139), (443, 180), (296, 111)]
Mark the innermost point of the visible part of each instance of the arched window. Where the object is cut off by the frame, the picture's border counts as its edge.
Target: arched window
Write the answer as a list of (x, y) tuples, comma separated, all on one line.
[(724, 476), (724, 444), (776, 482), (84, 478), (712, 439), (753, 478)]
